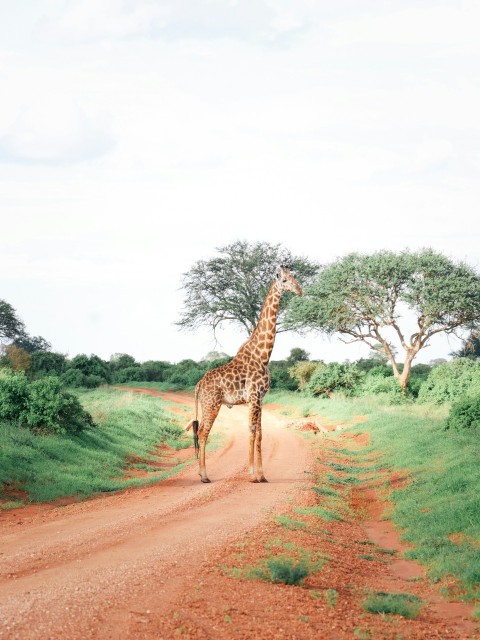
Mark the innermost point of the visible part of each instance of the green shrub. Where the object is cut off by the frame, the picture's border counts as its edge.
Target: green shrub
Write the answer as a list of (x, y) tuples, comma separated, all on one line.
[(402, 604), (73, 378), (380, 385), (93, 381), (13, 394), (287, 571), (51, 409), (464, 414), (415, 383), (280, 377), (42, 405), (382, 370), (301, 372), (47, 363), (334, 377), (91, 366), (129, 374), (450, 381)]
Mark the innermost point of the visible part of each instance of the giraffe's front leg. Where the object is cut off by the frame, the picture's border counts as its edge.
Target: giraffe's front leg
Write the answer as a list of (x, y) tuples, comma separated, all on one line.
[(258, 447), (202, 471), (208, 418), (253, 421)]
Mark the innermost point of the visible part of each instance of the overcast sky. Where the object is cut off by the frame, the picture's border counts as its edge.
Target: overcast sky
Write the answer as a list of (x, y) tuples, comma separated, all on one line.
[(137, 136)]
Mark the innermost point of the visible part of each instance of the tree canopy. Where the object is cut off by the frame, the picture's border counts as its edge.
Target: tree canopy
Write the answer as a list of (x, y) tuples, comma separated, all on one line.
[(10, 324), (470, 347), (231, 287), (364, 297)]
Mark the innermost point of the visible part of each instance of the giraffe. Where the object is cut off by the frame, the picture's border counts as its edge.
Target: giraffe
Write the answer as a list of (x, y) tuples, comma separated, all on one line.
[(243, 380)]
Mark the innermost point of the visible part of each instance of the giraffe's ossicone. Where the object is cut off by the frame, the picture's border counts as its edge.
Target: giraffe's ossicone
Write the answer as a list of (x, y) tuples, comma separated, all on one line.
[(244, 380)]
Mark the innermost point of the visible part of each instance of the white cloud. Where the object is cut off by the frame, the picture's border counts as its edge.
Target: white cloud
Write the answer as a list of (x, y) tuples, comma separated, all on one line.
[(431, 153), (415, 26), (54, 130), (89, 20)]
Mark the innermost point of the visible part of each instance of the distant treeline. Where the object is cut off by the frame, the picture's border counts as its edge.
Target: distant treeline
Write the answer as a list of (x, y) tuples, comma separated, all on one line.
[(90, 371), (439, 381), (34, 389)]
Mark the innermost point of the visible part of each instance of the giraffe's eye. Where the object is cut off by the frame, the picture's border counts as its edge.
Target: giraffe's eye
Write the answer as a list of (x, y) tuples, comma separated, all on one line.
[(284, 280)]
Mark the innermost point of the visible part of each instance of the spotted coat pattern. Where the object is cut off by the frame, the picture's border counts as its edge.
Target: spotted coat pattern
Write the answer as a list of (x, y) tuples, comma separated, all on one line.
[(245, 379)]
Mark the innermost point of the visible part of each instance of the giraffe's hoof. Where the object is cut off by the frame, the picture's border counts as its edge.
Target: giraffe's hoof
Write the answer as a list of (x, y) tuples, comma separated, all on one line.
[(253, 480), (205, 480), (263, 479)]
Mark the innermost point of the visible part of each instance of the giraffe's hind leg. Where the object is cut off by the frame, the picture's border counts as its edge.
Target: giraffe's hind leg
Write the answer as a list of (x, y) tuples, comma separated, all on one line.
[(255, 426), (209, 414), (258, 448)]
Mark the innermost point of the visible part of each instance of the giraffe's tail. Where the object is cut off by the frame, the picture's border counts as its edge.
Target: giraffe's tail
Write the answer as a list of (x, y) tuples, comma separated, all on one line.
[(194, 423)]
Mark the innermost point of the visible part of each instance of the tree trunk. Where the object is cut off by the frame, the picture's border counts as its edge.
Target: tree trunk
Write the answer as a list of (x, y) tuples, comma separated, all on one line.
[(407, 369)]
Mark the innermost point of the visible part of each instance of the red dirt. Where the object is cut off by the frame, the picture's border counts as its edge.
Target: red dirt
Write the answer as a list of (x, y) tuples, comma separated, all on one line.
[(155, 562)]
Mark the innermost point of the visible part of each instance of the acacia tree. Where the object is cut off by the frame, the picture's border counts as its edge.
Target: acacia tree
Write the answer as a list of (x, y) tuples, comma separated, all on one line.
[(10, 324), (470, 347), (363, 297), (231, 287)]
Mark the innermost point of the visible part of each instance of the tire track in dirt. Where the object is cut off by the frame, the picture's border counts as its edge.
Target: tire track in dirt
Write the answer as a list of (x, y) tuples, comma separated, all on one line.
[(94, 569)]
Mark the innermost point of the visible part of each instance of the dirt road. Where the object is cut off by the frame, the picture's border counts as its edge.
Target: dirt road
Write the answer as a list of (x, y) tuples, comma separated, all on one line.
[(176, 559), (111, 567)]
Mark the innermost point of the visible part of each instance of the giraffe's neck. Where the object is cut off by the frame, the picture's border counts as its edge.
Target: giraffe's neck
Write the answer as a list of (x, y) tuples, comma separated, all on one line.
[(260, 344)]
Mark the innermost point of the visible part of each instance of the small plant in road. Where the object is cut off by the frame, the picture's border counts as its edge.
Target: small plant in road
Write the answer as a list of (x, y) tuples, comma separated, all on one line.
[(402, 604)]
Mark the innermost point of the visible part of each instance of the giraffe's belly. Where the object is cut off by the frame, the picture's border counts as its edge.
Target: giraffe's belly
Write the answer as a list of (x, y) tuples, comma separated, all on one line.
[(237, 397)]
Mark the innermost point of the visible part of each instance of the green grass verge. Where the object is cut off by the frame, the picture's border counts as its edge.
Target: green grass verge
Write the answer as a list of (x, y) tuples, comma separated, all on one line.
[(402, 604), (158, 386), (53, 466), (289, 564), (439, 508)]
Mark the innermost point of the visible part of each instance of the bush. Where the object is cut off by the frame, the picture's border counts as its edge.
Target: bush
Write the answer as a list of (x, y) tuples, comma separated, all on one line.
[(450, 381), (287, 571), (91, 366), (280, 377), (464, 414), (379, 385), (46, 363), (401, 604), (73, 378), (43, 405), (334, 377), (155, 370), (76, 379), (13, 394), (128, 374), (381, 370), (52, 409), (301, 372), (92, 381)]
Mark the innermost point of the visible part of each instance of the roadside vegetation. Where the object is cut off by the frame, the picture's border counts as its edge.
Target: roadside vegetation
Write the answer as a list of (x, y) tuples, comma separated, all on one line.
[(437, 507), (402, 604), (124, 429)]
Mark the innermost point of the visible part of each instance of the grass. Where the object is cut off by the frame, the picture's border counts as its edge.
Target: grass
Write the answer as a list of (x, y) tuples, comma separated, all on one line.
[(439, 509), (329, 514), (284, 562), (287, 571), (284, 568), (402, 604), (53, 466), (158, 386)]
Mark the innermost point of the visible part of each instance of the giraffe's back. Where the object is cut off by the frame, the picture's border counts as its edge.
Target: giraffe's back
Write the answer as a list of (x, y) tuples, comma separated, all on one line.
[(232, 383)]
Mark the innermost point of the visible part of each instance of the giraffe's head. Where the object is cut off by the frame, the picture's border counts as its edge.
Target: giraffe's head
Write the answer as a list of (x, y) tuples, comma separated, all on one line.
[(286, 281)]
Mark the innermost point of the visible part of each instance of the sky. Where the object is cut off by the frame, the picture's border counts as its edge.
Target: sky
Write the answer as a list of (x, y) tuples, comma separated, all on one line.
[(139, 136)]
